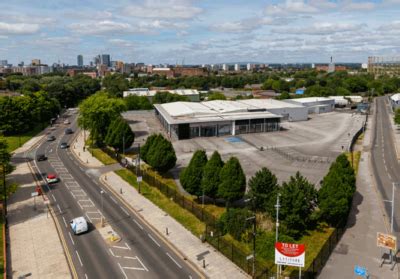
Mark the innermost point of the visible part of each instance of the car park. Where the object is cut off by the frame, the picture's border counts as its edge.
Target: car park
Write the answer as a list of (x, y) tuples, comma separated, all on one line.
[(51, 138), (64, 145), (41, 157), (79, 225), (68, 131), (51, 178)]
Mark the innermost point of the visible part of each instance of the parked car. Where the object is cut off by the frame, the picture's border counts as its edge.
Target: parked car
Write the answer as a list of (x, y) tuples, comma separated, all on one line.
[(41, 157), (66, 121), (68, 131), (51, 138), (64, 145), (51, 178), (79, 225)]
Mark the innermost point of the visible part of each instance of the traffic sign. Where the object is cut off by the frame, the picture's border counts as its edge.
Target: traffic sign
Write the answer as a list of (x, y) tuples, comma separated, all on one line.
[(139, 179), (360, 271)]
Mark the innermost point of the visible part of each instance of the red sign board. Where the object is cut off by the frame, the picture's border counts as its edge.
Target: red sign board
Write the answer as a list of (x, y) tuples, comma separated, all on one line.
[(290, 254)]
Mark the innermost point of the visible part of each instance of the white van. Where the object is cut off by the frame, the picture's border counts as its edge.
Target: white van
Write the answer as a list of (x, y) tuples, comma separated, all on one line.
[(79, 225)]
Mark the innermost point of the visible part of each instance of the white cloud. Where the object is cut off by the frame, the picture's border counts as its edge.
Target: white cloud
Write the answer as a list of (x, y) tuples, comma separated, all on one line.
[(321, 28), (121, 43), (164, 9), (290, 7), (359, 6), (101, 27), (18, 28)]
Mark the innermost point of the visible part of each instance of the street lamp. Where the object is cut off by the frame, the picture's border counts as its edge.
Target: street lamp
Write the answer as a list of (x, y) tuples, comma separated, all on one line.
[(277, 206), (392, 217)]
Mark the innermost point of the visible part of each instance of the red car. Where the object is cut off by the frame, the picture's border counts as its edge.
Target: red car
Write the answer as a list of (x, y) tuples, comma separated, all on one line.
[(51, 178)]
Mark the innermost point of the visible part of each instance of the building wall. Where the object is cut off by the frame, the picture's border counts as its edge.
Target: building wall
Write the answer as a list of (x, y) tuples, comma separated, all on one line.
[(316, 107), (291, 114)]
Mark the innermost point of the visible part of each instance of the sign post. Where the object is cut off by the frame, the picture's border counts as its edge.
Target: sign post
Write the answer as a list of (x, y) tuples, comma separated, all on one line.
[(387, 241), (291, 254)]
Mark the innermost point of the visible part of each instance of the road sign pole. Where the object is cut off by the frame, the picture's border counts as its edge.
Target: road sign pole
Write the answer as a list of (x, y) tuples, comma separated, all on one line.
[(391, 221), (300, 273), (277, 206)]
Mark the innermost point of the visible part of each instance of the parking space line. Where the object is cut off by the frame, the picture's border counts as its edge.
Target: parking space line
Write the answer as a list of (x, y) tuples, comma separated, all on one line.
[(140, 226), (112, 253), (126, 247), (155, 241), (70, 236), (142, 264), (174, 260), (79, 258)]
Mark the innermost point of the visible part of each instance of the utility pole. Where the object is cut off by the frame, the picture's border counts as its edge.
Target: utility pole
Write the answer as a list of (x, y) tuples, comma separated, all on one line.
[(391, 217), (277, 206)]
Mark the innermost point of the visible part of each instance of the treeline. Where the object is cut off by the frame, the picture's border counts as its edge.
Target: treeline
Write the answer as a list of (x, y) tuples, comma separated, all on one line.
[(134, 102)]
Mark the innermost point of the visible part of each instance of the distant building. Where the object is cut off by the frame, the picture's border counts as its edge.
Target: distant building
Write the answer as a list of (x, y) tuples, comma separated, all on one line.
[(3, 63), (395, 101), (237, 67), (105, 59), (225, 67), (119, 66), (21, 64), (35, 62), (192, 94), (80, 60), (383, 65), (102, 70), (178, 71), (315, 105), (250, 67)]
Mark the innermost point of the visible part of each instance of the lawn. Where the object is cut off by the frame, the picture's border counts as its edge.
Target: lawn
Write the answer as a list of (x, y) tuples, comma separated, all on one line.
[(184, 217), (356, 159), (16, 141), (101, 156)]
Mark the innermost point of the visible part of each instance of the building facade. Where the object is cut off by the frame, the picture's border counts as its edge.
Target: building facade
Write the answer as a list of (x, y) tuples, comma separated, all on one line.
[(80, 60), (382, 65)]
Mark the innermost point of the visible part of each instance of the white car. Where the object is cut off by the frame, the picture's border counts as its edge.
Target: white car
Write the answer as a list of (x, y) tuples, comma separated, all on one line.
[(51, 178), (66, 121), (79, 225)]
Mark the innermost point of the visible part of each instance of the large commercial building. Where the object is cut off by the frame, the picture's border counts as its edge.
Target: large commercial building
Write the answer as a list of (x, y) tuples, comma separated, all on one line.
[(315, 104), (184, 120), (384, 65), (80, 60), (191, 94)]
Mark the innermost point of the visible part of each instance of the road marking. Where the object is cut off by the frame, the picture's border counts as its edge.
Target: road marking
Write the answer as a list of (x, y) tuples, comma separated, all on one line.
[(134, 268), (79, 258), (112, 253), (54, 197), (47, 186), (113, 200), (174, 260), (70, 236), (126, 212), (140, 226), (126, 247), (58, 206), (81, 168), (86, 276), (123, 272), (142, 264), (154, 240), (390, 177), (65, 222), (190, 276), (130, 258)]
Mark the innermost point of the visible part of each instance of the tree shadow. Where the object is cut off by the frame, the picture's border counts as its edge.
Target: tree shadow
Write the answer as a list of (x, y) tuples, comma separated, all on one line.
[(357, 200)]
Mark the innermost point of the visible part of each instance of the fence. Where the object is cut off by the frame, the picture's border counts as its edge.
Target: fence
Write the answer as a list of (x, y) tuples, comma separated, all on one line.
[(214, 237)]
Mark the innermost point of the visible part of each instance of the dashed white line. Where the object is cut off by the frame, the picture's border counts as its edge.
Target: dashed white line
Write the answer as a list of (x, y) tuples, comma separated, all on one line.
[(65, 222), (113, 200), (123, 209), (58, 206), (123, 272), (81, 168), (140, 226), (86, 276), (54, 197), (174, 260), (79, 258), (154, 240), (70, 236)]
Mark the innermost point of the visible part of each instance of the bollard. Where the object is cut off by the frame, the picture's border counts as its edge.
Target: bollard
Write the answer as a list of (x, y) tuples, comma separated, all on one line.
[(166, 231), (87, 161), (105, 177), (204, 263), (120, 191), (79, 154)]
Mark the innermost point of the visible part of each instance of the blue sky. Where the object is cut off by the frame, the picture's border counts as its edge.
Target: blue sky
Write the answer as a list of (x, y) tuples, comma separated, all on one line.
[(199, 31)]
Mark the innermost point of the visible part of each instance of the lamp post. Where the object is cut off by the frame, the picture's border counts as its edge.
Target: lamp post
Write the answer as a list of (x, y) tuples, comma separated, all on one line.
[(102, 218), (391, 217), (277, 206)]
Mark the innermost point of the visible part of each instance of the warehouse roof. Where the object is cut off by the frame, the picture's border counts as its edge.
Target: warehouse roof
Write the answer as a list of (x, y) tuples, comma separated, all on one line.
[(309, 100), (151, 93), (269, 103)]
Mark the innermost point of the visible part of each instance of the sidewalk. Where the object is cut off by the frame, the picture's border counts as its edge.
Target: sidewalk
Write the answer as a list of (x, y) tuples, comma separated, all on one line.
[(34, 246), (218, 266), (396, 135), (358, 244), (85, 157)]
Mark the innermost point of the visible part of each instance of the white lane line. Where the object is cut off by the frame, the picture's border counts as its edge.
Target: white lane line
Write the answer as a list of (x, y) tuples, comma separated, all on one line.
[(54, 197), (58, 206), (113, 200), (134, 268), (390, 177), (123, 272), (174, 260), (126, 212), (65, 222), (112, 253), (79, 258), (154, 240), (81, 168), (126, 247), (130, 258), (86, 276), (142, 264), (140, 226), (70, 236), (190, 277)]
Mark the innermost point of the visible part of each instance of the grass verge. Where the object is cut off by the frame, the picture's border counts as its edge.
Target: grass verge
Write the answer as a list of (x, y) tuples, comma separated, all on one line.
[(184, 217), (17, 141), (355, 160), (101, 156)]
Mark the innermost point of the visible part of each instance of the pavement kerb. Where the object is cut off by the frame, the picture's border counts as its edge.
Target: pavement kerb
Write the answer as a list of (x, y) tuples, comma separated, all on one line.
[(58, 228), (73, 151), (152, 228)]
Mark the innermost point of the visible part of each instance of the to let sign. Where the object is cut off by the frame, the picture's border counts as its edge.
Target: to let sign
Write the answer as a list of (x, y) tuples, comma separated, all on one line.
[(386, 241), (290, 254)]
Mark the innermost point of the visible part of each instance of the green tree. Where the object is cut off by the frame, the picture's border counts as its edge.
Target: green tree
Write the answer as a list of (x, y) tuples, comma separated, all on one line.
[(161, 155), (191, 176), (211, 175), (115, 84), (119, 133), (166, 97), (234, 222), (298, 201), (263, 188), (5, 157), (144, 150), (216, 96), (97, 112), (233, 181), (397, 116), (134, 102)]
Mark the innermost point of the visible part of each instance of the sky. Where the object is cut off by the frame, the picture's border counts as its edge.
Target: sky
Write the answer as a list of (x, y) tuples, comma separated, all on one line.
[(199, 31)]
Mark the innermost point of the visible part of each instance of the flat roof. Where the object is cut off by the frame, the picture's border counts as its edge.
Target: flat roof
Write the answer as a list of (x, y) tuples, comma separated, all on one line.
[(213, 111), (269, 103), (151, 93), (310, 99)]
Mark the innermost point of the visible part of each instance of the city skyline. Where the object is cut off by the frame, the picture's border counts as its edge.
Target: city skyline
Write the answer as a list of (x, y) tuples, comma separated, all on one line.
[(199, 32)]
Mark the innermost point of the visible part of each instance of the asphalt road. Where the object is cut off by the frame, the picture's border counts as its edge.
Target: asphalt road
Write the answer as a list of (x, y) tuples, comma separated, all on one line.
[(139, 254), (384, 161)]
